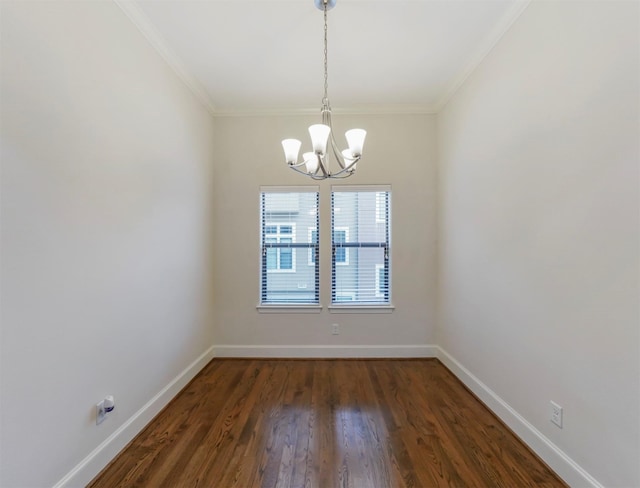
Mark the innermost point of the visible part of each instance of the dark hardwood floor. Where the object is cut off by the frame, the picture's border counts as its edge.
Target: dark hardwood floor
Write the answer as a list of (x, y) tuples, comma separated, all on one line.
[(325, 423)]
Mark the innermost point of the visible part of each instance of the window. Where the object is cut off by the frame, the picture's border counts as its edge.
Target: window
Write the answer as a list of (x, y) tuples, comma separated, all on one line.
[(360, 240), (286, 216), (280, 259)]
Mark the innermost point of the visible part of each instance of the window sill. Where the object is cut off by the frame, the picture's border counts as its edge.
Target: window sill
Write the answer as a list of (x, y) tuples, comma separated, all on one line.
[(361, 308), (284, 308)]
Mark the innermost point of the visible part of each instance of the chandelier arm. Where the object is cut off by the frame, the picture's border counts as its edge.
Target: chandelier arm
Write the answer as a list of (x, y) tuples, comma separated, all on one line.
[(295, 168), (340, 175), (295, 165), (336, 153), (349, 162), (347, 171), (322, 167), (326, 120), (311, 175)]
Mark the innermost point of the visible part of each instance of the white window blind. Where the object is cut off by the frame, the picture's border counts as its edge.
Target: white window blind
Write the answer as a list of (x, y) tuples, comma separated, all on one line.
[(361, 245), (288, 244)]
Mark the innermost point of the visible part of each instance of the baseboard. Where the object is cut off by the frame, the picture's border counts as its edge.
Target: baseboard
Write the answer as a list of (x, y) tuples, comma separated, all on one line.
[(556, 459), (326, 351), (90, 466)]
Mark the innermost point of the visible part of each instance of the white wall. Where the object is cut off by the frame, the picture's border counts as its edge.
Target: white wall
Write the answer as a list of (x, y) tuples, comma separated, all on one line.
[(400, 150), (538, 257), (106, 198)]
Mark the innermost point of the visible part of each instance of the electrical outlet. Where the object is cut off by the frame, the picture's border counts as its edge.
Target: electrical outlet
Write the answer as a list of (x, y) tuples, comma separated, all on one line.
[(335, 329), (101, 413), (556, 414)]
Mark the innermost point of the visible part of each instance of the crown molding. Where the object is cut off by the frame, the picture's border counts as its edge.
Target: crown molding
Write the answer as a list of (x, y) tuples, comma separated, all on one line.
[(365, 110), (483, 51), (144, 25)]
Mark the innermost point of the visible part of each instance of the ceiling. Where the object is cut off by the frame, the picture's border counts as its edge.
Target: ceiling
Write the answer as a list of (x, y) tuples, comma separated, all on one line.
[(259, 56)]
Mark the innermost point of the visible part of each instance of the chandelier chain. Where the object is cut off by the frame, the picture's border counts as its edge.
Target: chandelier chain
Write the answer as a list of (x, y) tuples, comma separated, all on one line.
[(325, 100)]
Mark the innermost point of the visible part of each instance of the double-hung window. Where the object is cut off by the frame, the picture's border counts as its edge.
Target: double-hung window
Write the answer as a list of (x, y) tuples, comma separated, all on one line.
[(361, 245), (288, 244)]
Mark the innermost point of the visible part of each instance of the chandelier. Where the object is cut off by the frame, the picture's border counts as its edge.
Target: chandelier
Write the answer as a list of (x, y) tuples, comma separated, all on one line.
[(316, 163)]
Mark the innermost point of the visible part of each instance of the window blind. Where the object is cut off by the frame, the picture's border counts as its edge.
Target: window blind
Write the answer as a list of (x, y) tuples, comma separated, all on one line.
[(361, 245), (289, 261)]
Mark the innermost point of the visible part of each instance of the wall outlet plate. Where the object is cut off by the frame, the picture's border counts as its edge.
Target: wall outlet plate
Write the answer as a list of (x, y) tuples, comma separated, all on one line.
[(101, 413), (556, 414), (335, 329)]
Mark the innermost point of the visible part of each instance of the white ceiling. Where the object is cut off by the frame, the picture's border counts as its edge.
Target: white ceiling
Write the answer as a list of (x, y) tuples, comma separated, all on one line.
[(255, 56)]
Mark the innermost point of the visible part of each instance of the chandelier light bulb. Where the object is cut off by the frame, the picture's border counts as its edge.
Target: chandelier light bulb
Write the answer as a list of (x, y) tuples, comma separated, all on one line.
[(355, 139), (291, 149), (319, 136), (311, 162), (350, 161)]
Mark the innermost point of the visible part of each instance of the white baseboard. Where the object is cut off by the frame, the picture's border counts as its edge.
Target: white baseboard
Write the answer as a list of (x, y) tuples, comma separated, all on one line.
[(90, 466), (275, 351), (556, 459)]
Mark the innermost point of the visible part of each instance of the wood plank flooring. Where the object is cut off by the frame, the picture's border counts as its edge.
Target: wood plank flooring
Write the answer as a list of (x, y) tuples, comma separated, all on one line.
[(325, 423)]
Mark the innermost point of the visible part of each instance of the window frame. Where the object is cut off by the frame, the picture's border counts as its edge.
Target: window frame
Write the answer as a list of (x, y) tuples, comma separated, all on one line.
[(384, 306), (276, 306), (347, 303)]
